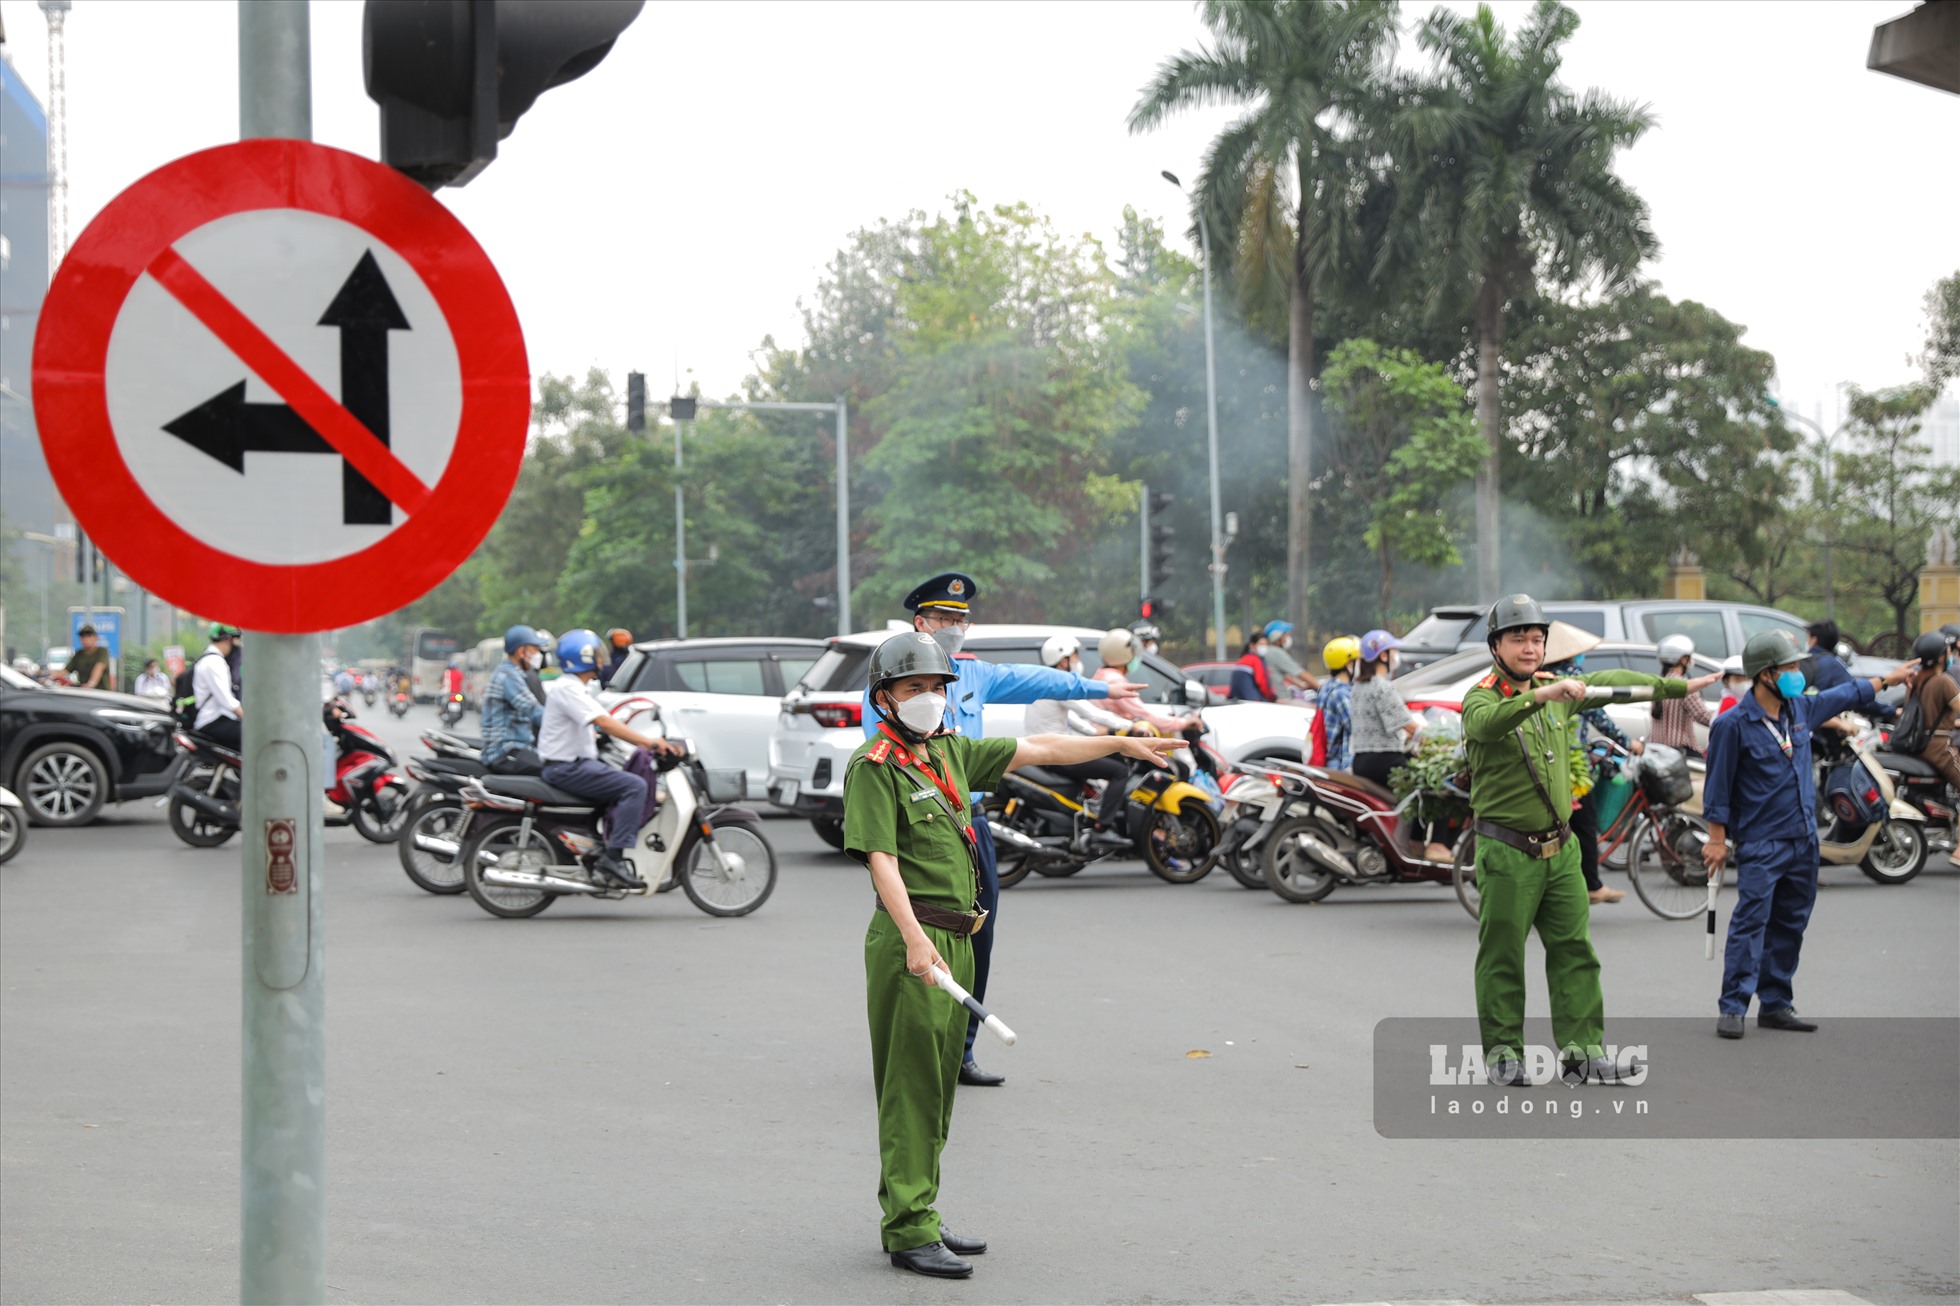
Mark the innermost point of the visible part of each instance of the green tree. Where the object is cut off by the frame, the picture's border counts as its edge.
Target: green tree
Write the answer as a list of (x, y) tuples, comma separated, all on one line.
[(993, 438), (1505, 183), (1886, 500), (1941, 359), (1281, 186), (1404, 441)]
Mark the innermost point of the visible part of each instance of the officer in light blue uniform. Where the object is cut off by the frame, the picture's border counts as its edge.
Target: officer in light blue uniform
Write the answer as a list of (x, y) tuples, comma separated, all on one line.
[(943, 608), (1760, 793)]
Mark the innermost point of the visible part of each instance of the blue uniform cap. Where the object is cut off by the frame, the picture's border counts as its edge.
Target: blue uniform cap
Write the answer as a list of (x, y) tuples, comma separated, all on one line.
[(950, 591)]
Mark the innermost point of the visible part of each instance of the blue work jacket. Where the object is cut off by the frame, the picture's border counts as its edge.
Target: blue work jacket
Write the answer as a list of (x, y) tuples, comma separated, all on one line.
[(981, 683), (1752, 788)]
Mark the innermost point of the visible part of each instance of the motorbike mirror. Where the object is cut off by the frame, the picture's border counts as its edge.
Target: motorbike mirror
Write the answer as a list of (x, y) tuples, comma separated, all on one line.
[(1195, 694)]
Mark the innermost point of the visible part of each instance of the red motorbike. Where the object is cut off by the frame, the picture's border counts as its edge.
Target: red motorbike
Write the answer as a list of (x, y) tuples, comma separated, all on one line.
[(1356, 833), (204, 802)]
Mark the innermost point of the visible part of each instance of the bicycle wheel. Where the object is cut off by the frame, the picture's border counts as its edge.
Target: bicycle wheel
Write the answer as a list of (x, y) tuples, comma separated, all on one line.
[(1615, 858), (1664, 862), (1463, 874)]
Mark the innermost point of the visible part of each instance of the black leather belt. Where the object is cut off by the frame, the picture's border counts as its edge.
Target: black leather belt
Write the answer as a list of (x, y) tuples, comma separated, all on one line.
[(1545, 844), (962, 924)]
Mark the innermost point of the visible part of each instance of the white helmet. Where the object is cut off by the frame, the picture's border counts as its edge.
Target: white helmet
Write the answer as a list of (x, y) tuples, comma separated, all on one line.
[(1059, 649), (1117, 648), (1674, 648), (1732, 666)]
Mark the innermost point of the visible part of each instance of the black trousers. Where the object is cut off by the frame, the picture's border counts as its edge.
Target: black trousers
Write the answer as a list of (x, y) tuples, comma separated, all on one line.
[(223, 730), (1585, 828), (1107, 769), (983, 942)]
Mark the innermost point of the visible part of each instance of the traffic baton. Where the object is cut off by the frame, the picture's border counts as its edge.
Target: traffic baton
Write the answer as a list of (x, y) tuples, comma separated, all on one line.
[(1621, 693), (1708, 944), (987, 1018)]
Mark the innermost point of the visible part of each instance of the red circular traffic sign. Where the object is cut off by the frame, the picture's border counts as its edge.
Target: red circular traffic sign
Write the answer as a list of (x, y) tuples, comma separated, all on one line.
[(192, 283)]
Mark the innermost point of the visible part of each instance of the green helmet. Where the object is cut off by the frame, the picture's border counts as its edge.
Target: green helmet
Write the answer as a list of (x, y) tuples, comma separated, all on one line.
[(1769, 648), (219, 630), (1519, 610), (912, 653)]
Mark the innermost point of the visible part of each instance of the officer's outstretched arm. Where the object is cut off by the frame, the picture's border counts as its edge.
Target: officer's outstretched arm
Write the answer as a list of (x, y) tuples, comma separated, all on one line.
[(1062, 750)]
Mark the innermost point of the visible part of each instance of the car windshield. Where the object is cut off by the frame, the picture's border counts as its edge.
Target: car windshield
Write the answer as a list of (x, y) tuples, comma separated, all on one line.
[(1439, 630), (12, 679), (1443, 671), (839, 669)]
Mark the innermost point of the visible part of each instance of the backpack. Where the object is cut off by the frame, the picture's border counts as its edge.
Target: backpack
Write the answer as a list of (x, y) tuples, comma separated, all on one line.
[(183, 696), (1912, 732)]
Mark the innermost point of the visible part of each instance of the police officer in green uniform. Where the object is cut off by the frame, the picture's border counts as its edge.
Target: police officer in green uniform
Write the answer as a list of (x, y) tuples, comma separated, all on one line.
[(907, 817), (1517, 722)]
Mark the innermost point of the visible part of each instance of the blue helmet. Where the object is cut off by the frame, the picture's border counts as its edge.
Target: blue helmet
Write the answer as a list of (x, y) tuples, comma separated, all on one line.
[(518, 636), (1274, 629), (579, 651)]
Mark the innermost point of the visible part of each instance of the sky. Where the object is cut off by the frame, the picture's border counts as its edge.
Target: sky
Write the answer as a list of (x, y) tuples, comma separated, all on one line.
[(668, 211)]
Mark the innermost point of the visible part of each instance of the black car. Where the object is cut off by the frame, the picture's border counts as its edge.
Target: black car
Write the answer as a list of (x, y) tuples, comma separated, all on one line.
[(65, 752)]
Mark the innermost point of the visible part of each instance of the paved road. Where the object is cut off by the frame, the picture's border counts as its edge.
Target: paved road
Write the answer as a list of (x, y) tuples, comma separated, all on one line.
[(616, 1103)]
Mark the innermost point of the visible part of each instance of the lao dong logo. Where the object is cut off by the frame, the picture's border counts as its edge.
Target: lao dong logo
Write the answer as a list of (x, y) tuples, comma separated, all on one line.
[(1542, 1064)]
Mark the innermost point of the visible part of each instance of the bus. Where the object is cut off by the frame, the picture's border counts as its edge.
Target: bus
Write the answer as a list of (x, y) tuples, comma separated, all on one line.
[(429, 651)]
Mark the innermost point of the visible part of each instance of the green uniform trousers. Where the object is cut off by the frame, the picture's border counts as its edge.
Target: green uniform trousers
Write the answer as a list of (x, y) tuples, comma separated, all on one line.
[(1519, 892), (918, 1037)]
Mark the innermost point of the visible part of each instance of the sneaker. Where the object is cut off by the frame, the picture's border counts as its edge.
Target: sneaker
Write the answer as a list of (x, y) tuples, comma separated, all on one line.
[(331, 810)]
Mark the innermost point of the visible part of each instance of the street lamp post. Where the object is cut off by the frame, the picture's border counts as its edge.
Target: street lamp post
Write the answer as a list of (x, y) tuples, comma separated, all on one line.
[(1211, 431)]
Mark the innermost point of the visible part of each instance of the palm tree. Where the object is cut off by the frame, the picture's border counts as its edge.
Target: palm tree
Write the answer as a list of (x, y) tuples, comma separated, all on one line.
[(1280, 185), (1506, 181)]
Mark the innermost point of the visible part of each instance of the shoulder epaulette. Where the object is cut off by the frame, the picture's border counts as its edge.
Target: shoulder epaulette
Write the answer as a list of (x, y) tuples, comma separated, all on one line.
[(1488, 682), (1544, 675), (880, 750)]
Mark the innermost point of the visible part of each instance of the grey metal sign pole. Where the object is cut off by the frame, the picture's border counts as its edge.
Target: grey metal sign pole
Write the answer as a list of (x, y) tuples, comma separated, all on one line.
[(282, 1247)]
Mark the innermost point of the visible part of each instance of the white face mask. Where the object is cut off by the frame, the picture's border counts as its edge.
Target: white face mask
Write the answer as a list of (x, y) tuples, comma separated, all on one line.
[(923, 713), (950, 638), (534, 660)]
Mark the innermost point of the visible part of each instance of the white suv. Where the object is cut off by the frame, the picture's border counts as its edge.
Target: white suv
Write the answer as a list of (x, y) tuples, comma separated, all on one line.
[(822, 719)]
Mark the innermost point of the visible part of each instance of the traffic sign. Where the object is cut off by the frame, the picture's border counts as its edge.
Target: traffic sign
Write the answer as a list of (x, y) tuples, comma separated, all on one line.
[(282, 386)]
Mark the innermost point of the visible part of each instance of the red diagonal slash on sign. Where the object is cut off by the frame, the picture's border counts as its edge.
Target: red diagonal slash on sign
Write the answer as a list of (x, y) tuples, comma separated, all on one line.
[(302, 393)]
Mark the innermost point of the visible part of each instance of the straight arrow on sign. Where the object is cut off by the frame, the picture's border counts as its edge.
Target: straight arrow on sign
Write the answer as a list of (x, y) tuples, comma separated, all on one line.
[(226, 427)]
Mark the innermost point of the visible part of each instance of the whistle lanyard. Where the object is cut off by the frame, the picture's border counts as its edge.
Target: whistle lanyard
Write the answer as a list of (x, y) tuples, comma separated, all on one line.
[(1782, 738), (956, 803)]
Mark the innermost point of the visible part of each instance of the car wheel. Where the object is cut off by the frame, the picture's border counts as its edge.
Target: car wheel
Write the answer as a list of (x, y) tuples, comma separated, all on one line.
[(62, 784)]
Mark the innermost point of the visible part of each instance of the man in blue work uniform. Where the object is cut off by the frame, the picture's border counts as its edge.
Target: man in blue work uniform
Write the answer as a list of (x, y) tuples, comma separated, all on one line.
[(943, 609), (1760, 786)]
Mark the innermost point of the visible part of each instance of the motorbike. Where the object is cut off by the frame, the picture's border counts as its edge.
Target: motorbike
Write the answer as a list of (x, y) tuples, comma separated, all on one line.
[(447, 743), (1040, 823), (452, 708), (434, 820), (398, 702), (1353, 834), (204, 802), (1256, 801), (526, 844), (1919, 784), (368, 692), (1861, 819), (13, 825)]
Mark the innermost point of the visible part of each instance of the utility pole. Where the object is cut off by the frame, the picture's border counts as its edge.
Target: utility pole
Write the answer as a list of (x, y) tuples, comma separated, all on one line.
[(283, 1235), (1218, 539)]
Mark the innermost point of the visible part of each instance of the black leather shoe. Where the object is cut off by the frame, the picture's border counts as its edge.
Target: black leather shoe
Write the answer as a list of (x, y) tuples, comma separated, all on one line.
[(612, 867), (973, 1077), (1785, 1018), (933, 1259), (1729, 1025), (961, 1246)]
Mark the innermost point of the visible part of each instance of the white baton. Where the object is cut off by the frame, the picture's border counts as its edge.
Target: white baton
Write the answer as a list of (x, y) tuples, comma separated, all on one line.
[(1708, 944), (987, 1018)]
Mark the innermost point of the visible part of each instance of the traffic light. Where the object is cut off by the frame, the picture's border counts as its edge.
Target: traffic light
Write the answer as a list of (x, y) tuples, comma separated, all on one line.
[(1162, 564), (452, 77), (636, 401)]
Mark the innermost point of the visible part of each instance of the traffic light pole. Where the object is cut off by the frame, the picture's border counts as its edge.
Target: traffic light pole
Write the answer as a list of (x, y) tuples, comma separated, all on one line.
[(283, 1234), (1143, 594)]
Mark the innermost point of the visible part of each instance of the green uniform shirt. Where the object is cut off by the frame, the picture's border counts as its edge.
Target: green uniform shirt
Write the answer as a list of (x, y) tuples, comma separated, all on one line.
[(891, 806), (1495, 708)]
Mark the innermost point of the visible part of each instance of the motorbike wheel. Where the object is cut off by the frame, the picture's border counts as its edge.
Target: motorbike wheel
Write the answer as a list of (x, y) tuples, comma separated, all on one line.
[(740, 887), (1248, 869), (1055, 870), (1463, 874), (432, 872), (194, 827), (1012, 871), (1177, 845), (1664, 863), (380, 818), (1897, 854), (13, 833), (504, 843), (829, 829), (1290, 872)]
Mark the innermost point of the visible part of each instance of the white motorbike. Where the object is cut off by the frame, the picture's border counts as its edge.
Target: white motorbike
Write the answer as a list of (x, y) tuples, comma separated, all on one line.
[(13, 825), (524, 844)]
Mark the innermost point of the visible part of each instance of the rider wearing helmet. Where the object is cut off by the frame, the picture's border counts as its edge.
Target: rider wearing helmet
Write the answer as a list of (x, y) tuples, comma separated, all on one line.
[(1148, 636), (1760, 785), (910, 816), (1938, 696), (1676, 719), (1119, 651), (571, 754), (1734, 684), (943, 608), (218, 709), (1252, 681), (1063, 716), (1335, 719), (511, 713), (1517, 724), (620, 641), (1281, 668)]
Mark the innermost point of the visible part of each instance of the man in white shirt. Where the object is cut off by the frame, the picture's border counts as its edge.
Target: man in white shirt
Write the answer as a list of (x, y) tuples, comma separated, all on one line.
[(218, 708), (571, 754), (152, 683)]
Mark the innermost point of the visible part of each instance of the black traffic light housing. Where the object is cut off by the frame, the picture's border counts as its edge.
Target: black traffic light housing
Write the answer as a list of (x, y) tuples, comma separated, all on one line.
[(1163, 564), (636, 401), (452, 77)]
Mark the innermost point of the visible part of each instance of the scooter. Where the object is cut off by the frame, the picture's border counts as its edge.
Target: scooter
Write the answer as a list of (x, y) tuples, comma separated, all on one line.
[(13, 826), (365, 779), (1353, 835), (452, 708), (427, 846), (1861, 819), (205, 801), (1918, 783), (526, 844), (1256, 801), (1039, 822)]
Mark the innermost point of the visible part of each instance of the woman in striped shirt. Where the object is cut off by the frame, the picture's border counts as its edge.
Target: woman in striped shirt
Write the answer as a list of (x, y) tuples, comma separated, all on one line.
[(1675, 719)]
